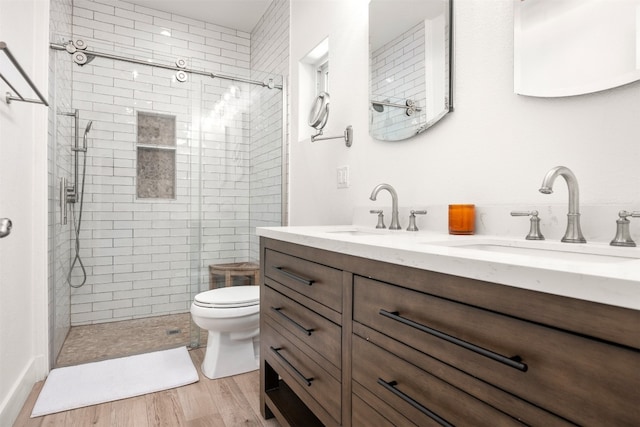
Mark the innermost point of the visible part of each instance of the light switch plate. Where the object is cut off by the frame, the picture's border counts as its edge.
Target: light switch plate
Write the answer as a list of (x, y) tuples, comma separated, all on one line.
[(343, 177)]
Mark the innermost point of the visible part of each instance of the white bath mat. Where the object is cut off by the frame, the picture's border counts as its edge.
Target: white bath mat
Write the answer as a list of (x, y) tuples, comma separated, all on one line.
[(92, 383)]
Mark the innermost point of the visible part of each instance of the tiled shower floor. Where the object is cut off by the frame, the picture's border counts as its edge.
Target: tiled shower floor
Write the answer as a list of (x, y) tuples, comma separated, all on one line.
[(91, 343)]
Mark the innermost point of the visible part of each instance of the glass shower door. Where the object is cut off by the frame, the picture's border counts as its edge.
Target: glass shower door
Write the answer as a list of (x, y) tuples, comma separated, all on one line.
[(241, 142), (139, 237), (178, 175)]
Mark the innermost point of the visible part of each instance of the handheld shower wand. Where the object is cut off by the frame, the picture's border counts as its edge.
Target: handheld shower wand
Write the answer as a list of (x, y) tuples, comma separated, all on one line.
[(84, 138), (79, 197), (72, 191)]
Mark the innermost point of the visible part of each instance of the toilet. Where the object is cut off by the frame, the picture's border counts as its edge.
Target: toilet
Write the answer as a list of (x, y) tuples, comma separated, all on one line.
[(231, 315)]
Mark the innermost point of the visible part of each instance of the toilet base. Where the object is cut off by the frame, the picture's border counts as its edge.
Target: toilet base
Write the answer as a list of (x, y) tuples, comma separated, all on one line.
[(226, 356)]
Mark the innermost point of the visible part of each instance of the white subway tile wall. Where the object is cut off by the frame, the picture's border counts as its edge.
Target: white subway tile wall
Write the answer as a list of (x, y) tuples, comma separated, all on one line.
[(270, 53), (146, 257)]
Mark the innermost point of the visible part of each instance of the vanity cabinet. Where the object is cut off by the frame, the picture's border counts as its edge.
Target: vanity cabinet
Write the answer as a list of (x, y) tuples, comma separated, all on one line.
[(301, 316), (396, 345)]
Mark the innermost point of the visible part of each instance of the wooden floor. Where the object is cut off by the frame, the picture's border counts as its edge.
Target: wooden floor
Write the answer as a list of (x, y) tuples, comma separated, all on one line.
[(225, 402)]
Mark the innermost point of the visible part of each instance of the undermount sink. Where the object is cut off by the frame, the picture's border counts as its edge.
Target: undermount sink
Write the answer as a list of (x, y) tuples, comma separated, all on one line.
[(544, 249), (358, 232)]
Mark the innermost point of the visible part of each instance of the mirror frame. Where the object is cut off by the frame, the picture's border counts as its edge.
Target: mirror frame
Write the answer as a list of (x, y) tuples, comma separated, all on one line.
[(415, 109), (319, 113)]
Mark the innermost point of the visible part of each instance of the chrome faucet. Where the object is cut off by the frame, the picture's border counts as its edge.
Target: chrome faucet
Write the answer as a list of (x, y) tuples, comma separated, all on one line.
[(395, 225), (573, 233)]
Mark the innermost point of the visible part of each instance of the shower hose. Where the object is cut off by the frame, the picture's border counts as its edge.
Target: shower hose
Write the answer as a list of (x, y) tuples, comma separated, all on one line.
[(76, 230)]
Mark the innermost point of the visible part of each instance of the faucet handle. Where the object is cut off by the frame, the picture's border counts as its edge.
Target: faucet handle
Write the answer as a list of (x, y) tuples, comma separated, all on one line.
[(623, 237), (625, 214), (534, 229), (380, 217), (412, 219)]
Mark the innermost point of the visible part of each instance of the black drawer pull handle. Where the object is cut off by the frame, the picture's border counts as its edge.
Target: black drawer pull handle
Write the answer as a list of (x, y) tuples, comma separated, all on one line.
[(294, 276), (296, 324), (391, 386), (513, 362), (277, 352)]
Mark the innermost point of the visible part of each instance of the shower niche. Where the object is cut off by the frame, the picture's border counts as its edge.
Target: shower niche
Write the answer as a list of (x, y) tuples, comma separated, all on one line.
[(156, 156)]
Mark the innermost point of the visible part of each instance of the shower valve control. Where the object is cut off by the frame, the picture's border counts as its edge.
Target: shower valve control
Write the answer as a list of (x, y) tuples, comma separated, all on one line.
[(71, 194)]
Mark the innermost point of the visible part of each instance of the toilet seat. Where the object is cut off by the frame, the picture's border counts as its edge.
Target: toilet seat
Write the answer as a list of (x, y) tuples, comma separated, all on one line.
[(230, 297)]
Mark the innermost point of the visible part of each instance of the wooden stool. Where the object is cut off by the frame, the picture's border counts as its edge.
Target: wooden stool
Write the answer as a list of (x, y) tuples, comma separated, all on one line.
[(236, 269)]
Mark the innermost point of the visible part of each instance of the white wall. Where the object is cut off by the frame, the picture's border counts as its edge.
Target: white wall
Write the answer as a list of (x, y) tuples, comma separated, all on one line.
[(493, 150), (23, 198)]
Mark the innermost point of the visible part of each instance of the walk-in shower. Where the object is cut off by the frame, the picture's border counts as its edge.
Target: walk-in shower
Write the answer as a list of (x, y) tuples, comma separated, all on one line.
[(169, 164)]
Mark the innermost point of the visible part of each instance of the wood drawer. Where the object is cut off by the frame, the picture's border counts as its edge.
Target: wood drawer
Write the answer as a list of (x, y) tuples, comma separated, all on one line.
[(365, 416), (501, 400), (587, 381), (314, 330), (316, 281), (418, 395), (313, 385)]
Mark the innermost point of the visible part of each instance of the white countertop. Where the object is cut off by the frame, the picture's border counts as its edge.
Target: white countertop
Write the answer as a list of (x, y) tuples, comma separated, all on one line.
[(613, 281)]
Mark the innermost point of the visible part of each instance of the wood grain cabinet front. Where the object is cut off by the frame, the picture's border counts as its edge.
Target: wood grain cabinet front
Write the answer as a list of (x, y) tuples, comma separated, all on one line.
[(313, 280), (550, 368), (420, 396), (315, 386), (301, 306), (349, 341), (365, 415), (315, 331)]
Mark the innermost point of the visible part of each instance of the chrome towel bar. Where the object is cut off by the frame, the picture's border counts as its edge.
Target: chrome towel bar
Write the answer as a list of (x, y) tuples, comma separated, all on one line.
[(18, 97)]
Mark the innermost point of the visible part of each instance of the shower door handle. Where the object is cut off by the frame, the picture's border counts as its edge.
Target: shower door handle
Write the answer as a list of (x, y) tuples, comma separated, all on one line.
[(5, 227)]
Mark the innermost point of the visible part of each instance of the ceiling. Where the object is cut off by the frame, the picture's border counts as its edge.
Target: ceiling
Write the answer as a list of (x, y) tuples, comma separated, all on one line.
[(237, 14)]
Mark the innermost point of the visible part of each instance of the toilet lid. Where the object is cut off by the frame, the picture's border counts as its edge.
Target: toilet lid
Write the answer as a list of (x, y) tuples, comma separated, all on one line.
[(231, 297)]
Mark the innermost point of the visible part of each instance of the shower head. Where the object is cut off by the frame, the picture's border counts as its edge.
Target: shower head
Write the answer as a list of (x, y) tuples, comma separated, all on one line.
[(378, 107), (84, 138)]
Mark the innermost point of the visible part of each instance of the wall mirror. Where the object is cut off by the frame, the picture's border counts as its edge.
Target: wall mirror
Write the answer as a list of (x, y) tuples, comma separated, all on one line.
[(573, 47), (410, 48), (319, 113), (318, 117)]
